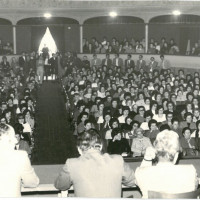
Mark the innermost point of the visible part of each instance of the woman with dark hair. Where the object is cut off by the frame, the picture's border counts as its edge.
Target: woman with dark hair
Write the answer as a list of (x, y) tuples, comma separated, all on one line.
[(28, 118), (188, 143), (153, 107), (118, 145), (160, 116)]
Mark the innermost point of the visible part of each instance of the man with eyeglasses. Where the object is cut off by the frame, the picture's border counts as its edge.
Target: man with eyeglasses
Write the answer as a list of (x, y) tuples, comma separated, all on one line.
[(169, 116), (140, 116)]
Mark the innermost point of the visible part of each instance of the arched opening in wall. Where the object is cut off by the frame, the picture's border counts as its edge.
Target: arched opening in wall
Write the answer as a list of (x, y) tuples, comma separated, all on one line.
[(47, 44), (183, 30), (6, 39), (121, 28), (35, 28)]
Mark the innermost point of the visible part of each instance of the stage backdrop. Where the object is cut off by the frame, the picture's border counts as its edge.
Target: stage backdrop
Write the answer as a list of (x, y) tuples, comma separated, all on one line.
[(57, 32)]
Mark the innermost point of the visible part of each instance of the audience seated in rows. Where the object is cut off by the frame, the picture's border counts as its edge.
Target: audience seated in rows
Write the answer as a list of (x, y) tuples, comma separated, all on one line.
[(129, 46), (18, 94), (134, 96)]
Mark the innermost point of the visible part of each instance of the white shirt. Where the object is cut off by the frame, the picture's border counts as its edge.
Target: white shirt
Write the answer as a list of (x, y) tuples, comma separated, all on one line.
[(27, 128), (100, 120), (144, 126), (106, 62), (159, 119), (100, 94), (108, 134), (193, 134), (46, 61), (122, 119), (117, 61)]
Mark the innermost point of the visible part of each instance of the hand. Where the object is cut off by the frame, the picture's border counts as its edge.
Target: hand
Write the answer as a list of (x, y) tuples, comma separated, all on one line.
[(150, 153)]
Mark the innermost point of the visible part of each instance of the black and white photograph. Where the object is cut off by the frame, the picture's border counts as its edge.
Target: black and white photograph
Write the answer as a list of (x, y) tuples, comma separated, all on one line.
[(100, 99)]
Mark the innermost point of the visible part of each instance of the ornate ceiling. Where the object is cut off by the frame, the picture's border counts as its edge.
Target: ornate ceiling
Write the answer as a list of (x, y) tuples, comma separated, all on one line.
[(15, 10)]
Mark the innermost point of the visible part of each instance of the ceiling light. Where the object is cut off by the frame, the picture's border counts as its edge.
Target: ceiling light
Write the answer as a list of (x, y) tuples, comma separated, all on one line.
[(176, 12), (113, 14), (47, 15)]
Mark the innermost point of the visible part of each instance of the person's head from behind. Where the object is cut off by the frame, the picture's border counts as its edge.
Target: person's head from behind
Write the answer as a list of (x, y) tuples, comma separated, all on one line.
[(167, 146), (7, 137), (89, 140), (164, 127)]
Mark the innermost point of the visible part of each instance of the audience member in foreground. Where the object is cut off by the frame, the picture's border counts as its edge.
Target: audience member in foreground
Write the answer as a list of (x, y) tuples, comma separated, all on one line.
[(165, 176), (15, 166), (94, 174)]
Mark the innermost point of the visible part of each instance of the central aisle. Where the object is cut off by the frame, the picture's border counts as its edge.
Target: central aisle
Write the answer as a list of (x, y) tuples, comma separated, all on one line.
[(54, 141)]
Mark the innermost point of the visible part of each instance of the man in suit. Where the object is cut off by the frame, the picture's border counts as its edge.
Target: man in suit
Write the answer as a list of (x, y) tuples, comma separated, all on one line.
[(77, 63), (15, 166), (94, 174), (118, 62), (165, 176), (140, 63), (86, 63), (95, 62), (53, 65), (107, 61), (129, 63), (164, 64), (23, 61), (67, 61), (152, 65)]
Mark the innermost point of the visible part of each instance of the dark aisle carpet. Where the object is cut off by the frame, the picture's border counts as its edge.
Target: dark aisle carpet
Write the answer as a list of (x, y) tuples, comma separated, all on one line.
[(54, 142)]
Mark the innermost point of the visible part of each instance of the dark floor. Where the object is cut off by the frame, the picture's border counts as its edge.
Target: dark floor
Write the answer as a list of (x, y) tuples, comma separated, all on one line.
[(54, 142)]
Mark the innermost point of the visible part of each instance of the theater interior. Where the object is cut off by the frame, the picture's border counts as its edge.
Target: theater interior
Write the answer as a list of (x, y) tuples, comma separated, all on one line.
[(68, 28)]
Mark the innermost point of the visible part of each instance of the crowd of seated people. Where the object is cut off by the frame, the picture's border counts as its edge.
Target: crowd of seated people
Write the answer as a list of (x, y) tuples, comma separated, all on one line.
[(130, 46), (18, 93), (6, 48), (129, 105)]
